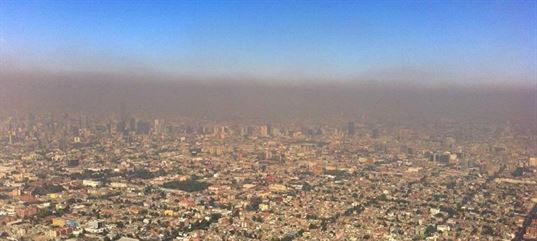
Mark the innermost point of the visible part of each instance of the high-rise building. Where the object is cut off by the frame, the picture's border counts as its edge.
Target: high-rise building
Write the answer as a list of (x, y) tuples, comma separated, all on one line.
[(142, 127), (351, 129), (157, 126), (375, 133), (532, 162), (132, 124), (121, 126), (265, 130)]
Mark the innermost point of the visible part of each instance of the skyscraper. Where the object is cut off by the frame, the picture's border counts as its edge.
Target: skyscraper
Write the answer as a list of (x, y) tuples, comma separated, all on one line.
[(351, 129), (265, 130)]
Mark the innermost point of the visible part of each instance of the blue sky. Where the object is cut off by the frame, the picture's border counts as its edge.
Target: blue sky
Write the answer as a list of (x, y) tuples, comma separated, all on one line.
[(461, 41)]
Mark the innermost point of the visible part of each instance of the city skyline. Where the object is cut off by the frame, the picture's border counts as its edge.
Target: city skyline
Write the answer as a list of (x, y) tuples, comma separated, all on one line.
[(239, 120)]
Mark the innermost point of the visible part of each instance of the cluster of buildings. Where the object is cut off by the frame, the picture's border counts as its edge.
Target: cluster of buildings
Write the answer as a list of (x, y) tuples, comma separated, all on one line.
[(82, 177)]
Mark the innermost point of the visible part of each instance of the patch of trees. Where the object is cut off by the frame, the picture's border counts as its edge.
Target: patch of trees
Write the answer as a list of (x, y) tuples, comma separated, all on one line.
[(487, 230), (429, 230), (48, 189), (143, 174), (187, 186)]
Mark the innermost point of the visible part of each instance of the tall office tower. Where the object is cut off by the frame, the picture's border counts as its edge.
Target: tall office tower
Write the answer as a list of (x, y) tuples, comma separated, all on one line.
[(532, 161), (143, 127), (216, 130), (221, 132), (121, 126), (244, 131), (250, 131), (157, 126), (264, 130), (276, 132), (375, 133), (132, 124), (351, 129), (269, 129)]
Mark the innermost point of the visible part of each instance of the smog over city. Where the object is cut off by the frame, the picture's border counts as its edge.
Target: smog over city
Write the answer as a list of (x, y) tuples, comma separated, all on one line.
[(268, 120)]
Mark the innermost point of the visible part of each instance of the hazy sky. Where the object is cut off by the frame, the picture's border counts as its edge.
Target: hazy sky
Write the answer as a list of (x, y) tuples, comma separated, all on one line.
[(468, 42)]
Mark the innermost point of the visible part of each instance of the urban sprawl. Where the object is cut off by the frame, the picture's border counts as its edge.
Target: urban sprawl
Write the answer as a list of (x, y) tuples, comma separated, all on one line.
[(121, 177)]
